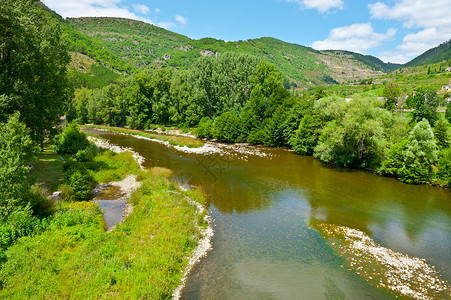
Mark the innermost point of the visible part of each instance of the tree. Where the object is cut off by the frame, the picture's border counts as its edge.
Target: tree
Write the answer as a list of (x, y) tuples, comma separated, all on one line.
[(441, 133), (448, 112), (424, 102), (419, 154), (33, 61), (355, 137), (391, 94), (16, 151), (306, 137)]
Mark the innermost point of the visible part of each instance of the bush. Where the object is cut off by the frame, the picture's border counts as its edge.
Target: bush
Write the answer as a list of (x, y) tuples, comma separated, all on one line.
[(256, 137), (20, 222), (203, 130), (81, 182), (38, 200), (227, 127), (87, 154), (67, 193), (71, 140)]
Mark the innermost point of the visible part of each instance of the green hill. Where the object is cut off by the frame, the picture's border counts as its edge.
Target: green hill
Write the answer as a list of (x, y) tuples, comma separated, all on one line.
[(434, 55), (142, 45)]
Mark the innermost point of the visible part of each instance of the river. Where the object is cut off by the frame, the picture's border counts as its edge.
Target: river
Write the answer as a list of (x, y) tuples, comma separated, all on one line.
[(275, 213)]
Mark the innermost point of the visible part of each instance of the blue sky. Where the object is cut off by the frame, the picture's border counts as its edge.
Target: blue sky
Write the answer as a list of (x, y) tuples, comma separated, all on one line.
[(393, 30)]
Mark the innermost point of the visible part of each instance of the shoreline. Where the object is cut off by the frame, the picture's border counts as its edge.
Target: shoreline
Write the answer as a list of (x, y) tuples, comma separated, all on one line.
[(212, 147), (204, 244)]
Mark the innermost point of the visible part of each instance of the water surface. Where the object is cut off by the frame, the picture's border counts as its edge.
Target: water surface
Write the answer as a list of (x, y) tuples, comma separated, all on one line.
[(265, 210)]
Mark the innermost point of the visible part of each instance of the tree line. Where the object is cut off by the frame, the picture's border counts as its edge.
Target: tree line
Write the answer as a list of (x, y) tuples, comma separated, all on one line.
[(239, 98)]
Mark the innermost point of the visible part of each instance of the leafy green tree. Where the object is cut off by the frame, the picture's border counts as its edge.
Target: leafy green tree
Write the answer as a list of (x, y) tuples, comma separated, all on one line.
[(306, 137), (356, 137), (424, 102), (448, 112), (391, 94), (441, 133), (204, 129), (444, 166), (33, 59), (227, 127), (17, 149), (419, 154)]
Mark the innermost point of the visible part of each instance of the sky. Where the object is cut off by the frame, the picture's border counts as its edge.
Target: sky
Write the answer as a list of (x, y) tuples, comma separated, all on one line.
[(393, 30)]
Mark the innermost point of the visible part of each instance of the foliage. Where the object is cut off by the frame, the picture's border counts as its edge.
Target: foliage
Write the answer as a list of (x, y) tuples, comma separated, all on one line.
[(33, 59), (441, 133), (411, 160), (71, 140), (444, 166), (306, 137), (424, 102), (227, 127), (391, 94), (80, 181), (448, 112), (204, 128), (355, 137), (16, 150)]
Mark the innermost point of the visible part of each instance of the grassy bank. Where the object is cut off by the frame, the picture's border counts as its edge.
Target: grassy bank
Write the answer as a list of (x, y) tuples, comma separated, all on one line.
[(47, 171), (171, 139), (75, 258)]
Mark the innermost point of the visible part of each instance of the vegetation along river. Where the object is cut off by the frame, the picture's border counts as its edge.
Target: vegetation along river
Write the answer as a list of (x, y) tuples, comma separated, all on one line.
[(290, 227)]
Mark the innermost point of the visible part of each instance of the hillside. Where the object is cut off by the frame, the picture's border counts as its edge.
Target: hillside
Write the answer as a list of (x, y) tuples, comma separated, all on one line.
[(434, 55), (142, 45)]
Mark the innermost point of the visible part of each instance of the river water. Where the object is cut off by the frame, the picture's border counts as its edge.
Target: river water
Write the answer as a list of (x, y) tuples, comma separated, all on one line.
[(271, 209)]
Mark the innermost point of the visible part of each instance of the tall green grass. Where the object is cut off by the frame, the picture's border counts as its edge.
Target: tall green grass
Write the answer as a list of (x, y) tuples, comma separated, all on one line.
[(75, 258)]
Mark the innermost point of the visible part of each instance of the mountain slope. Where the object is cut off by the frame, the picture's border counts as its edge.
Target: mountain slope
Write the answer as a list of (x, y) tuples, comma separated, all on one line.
[(434, 55), (143, 45)]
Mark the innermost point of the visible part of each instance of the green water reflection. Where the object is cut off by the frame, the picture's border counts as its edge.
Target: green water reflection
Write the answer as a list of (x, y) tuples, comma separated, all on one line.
[(264, 246)]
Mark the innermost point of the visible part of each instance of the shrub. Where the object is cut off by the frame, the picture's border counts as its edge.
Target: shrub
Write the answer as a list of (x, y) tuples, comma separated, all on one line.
[(81, 182), (67, 193), (71, 140), (87, 154), (256, 137), (227, 127), (203, 130)]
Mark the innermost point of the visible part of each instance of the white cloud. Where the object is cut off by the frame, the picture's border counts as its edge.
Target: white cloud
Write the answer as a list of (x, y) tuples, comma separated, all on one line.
[(181, 19), (321, 5), (415, 13), (355, 37), (92, 8), (157, 10), (414, 44), (432, 18), (141, 8)]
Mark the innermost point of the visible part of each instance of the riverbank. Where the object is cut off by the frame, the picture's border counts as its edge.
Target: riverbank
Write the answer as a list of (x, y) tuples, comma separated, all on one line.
[(172, 137), (146, 256)]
